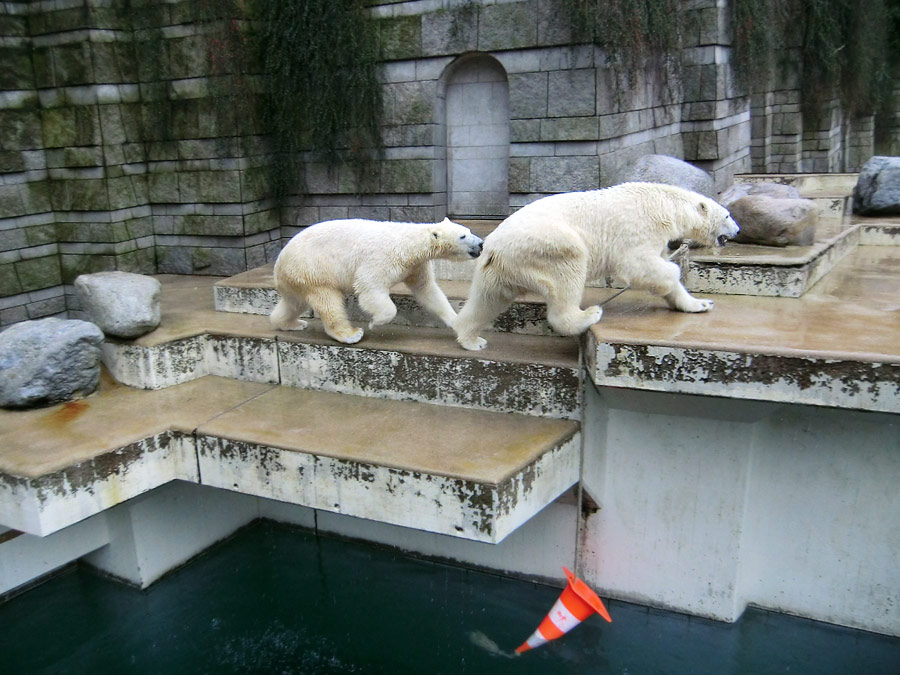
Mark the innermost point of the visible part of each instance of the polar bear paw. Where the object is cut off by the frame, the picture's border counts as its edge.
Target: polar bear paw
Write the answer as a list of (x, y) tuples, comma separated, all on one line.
[(472, 344), (297, 324), (349, 338), (593, 314), (697, 305)]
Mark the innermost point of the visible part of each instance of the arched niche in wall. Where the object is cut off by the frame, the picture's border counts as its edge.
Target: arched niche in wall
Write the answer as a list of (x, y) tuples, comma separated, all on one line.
[(477, 123)]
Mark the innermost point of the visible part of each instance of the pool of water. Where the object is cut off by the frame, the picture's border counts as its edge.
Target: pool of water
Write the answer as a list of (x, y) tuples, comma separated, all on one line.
[(279, 601)]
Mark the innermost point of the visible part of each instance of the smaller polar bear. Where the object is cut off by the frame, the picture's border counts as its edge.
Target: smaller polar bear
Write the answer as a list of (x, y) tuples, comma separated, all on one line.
[(327, 261), (554, 245)]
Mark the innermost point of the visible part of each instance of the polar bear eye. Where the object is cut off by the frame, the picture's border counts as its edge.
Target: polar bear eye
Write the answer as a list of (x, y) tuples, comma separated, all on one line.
[(461, 237)]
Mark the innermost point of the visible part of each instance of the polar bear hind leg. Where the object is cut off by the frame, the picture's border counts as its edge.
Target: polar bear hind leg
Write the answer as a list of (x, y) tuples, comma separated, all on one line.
[(681, 300), (287, 311), (562, 287), (488, 297), (331, 307)]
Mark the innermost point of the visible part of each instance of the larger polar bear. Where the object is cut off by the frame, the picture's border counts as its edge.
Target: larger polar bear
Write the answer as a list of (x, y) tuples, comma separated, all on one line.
[(554, 245), (325, 262)]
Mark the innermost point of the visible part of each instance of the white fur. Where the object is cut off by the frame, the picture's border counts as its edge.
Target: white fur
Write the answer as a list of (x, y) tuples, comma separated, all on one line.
[(324, 263), (552, 246)]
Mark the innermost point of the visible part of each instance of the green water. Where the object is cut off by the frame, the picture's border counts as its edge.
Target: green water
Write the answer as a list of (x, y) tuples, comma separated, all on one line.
[(277, 601)]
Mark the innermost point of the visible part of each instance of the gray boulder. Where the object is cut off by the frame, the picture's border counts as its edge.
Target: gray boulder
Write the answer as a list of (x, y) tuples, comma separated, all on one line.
[(47, 361), (775, 222), (668, 170), (877, 190), (122, 304), (773, 190)]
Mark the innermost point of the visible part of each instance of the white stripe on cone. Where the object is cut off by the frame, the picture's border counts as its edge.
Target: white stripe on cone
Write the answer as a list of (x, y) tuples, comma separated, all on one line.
[(562, 618), (536, 640)]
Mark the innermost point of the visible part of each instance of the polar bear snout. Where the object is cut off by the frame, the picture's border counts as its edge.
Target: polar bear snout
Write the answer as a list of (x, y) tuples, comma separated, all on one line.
[(728, 231), (475, 245)]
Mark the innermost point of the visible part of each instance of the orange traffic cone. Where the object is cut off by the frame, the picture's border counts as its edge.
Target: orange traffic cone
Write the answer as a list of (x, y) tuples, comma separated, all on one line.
[(576, 603)]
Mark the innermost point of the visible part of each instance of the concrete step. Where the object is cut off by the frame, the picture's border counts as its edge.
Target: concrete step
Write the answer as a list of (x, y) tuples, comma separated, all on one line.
[(810, 185), (253, 292), (466, 473), (835, 347), (525, 374)]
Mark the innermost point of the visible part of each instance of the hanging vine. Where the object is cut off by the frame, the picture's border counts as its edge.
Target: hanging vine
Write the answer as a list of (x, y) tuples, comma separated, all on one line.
[(635, 35), (844, 47), (759, 33), (321, 93)]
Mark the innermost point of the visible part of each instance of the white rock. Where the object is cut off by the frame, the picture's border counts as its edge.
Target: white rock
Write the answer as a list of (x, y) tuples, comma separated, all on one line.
[(122, 304)]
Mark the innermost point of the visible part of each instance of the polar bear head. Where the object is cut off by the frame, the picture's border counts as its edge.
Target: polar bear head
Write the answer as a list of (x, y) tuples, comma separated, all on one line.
[(455, 241), (714, 224)]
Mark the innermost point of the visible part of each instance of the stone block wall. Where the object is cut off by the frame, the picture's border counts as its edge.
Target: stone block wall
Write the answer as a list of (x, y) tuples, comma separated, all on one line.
[(127, 143), (30, 275), (785, 139), (117, 152), (888, 137), (572, 124)]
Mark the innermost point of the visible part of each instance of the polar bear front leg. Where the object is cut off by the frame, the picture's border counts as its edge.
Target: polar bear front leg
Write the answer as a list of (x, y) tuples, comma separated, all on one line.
[(664, 278), (682, 301), (427, 293), (329, 303), (377, 303)]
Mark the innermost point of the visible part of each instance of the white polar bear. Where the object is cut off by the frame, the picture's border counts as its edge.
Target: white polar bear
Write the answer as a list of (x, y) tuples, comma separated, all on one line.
[(327, 261), (554, 245)]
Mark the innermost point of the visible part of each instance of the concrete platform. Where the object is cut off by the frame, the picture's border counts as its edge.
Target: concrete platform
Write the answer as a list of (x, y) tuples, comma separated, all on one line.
[(838, 345), (467, 473), (517, 373)]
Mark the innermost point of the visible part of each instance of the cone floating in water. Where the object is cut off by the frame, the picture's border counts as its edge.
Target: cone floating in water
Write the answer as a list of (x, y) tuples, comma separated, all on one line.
[(576, 603)]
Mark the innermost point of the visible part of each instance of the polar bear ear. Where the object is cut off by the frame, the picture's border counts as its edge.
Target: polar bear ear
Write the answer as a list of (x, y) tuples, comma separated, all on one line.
[(435, 234), (702, 208)]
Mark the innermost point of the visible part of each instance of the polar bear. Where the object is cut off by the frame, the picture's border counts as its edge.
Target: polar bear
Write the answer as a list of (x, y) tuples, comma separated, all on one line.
[(554, 245), (327, 261)]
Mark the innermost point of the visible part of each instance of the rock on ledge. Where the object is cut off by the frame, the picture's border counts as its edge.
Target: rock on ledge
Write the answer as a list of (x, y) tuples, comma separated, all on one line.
[(771, 214), (671, 171), (122, 304), (48, 361), (877, 191)]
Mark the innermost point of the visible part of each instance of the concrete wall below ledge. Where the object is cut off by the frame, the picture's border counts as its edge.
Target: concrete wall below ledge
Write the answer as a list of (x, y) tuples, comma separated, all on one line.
[(707, 505), (144, 538)]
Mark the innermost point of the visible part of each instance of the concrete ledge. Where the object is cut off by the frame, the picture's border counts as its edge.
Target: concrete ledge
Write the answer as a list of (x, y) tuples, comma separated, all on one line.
[(464, 473), (836, 346), (808, 380), (742, 269), (471, 474), (48, 503), (517, 373)]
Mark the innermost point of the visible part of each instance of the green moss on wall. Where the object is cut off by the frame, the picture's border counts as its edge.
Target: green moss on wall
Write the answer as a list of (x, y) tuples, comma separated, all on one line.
[(322, 94)]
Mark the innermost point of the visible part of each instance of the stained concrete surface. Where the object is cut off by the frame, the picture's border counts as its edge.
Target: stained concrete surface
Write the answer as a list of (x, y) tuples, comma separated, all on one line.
[(472, 445), (36, 442), (852, 313)]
